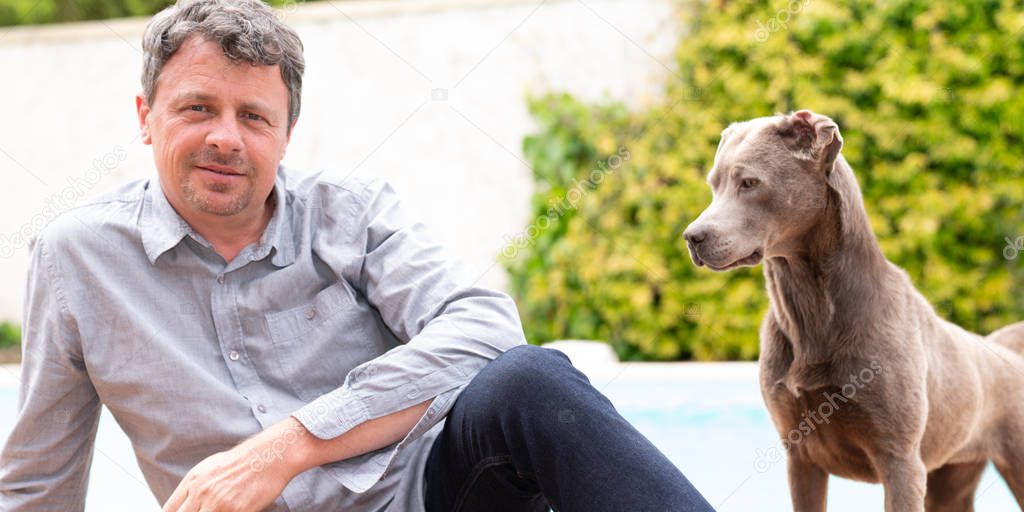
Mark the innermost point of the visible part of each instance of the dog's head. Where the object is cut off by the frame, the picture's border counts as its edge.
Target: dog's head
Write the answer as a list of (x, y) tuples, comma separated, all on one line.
[(769, 185)]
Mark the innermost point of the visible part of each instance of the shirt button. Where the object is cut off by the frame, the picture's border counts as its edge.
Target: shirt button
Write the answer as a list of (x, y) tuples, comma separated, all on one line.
[(220, 279), (310, 313), (261, 408), (233, 355)]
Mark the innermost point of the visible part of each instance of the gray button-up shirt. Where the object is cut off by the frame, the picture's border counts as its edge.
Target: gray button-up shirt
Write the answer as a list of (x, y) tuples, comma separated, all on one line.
[(345, 310)]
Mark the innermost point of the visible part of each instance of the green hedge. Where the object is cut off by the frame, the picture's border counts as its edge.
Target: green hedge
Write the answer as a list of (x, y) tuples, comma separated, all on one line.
[(930, 101), (10, 335), (29, 12)]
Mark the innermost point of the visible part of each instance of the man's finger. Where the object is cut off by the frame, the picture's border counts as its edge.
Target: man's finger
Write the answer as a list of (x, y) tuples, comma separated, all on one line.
[(173, 504), (191, 504)]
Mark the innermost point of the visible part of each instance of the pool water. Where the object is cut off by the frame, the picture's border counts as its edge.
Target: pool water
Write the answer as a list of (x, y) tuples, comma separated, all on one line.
[(715, 429)]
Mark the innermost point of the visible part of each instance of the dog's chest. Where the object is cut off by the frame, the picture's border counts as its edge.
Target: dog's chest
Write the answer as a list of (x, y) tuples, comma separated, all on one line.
[(825, 427)]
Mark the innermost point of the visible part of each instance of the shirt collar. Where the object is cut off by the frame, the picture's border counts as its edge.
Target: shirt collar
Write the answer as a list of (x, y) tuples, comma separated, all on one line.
[(163, 229)]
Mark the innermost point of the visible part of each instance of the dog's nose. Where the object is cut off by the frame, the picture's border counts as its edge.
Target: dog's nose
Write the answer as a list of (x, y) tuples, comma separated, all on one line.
[(695, 236)]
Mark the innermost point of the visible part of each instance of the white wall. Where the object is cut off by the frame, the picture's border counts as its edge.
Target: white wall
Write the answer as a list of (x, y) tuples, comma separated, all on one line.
[(430, 94)]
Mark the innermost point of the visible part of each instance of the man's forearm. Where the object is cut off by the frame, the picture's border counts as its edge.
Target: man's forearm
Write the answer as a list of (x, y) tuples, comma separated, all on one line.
[(289, 443)]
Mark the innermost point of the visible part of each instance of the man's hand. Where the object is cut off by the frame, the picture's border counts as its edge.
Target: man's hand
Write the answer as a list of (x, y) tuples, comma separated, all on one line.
[(246, 478), (250, 476)]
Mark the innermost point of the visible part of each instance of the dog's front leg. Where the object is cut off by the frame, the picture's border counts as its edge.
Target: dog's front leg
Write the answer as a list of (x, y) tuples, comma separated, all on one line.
[(808, 484), (905, 479)]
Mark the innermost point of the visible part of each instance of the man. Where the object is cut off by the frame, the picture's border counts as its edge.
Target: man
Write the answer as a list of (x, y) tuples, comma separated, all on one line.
[(278, 341)]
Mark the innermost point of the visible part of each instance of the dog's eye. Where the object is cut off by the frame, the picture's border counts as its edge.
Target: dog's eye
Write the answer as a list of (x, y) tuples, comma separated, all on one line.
[(749, 182)]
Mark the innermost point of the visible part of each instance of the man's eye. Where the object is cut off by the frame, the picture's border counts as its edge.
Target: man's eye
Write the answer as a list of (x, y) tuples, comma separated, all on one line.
[(253, 117), (197, 108), (749, 182)]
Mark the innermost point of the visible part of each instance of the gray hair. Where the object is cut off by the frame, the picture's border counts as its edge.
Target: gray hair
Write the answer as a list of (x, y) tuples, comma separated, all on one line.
[(247, 31)]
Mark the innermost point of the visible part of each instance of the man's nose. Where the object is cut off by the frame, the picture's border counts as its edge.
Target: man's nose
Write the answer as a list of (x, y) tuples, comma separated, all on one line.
[(225, 135), (695, 235)]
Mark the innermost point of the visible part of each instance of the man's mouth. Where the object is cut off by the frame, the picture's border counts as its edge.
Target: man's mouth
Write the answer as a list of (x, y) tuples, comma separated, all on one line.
[(220, 169), (752, 259)]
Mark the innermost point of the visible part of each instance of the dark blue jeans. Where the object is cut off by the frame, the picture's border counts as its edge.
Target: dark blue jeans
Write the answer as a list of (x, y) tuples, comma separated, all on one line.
[(529, 432)]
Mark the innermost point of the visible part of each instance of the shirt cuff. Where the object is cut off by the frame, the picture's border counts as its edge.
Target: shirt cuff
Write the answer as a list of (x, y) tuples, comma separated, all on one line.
[(360, 474), (361, 399), (333, 414)]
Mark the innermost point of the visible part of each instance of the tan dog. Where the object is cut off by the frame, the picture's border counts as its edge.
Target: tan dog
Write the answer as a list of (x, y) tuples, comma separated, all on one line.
[(854, 360)]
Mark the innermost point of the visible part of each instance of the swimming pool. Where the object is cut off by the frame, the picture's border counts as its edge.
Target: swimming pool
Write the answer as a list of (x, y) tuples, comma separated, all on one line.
[(708, 419)]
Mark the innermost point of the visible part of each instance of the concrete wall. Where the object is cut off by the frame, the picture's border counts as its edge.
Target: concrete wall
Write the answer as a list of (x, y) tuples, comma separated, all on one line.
[(430, 94)]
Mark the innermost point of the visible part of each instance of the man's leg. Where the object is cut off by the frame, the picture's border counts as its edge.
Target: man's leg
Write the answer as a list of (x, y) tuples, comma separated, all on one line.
[(530, 431)]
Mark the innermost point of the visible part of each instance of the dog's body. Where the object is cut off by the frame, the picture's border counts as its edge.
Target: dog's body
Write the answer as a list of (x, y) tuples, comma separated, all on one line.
[(862, 379)]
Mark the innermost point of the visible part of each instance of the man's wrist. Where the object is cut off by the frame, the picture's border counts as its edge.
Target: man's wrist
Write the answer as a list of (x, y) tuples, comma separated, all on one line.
[(285, 448)]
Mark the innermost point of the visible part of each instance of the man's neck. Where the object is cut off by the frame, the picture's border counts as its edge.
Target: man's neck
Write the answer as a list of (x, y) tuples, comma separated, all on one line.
[(230, 234)]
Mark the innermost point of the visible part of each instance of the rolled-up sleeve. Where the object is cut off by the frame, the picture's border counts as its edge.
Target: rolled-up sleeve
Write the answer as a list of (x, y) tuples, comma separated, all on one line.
[(45, 462), (450, 327)]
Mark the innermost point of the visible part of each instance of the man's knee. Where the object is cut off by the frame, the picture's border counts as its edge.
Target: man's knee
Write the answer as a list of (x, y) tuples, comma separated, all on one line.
[(532, 365), (532, 359), (523, 371)]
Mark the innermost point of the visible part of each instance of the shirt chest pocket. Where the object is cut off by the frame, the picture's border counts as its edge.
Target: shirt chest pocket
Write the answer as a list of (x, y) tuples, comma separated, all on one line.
[(320, 342)]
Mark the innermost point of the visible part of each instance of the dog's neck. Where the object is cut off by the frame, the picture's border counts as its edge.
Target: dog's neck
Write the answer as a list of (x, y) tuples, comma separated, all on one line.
[(819, 292)]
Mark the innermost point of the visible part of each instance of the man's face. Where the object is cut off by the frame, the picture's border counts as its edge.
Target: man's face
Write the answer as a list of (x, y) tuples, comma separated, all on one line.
[(218, 130)]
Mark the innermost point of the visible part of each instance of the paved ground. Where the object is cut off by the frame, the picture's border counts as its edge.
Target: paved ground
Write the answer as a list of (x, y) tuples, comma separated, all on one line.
[(10, 355)]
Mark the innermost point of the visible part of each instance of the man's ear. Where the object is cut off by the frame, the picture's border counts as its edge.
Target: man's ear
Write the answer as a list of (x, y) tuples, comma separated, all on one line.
[(814, 136), (142, 108)]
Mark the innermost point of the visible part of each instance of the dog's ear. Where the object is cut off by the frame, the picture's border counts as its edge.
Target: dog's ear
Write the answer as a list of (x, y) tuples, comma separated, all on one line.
[(813, 136)]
